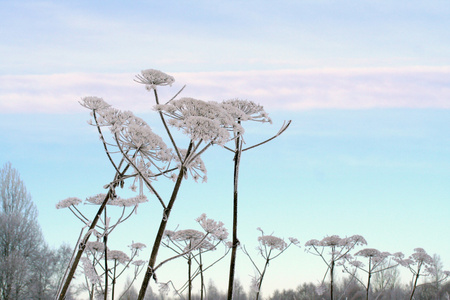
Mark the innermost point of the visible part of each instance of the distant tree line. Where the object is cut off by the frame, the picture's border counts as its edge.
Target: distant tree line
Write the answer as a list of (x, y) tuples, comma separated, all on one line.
[(29, 268), (347, 289)]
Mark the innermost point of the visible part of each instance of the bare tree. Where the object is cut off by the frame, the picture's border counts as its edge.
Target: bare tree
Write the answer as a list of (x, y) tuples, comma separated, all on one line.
[(20, 236)]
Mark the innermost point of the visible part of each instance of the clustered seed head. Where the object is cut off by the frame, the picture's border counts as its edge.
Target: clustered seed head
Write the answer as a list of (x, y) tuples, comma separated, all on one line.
[(153, 78), (68, 202)]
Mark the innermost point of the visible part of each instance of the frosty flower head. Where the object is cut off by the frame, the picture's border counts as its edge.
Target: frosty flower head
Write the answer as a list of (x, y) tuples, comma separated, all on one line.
[(138, 263), (196, 167), (68, 202), (94, 103), (135, 134), (137, 246), (152, 78), (216, 229), (89, 271), (420, 256), (133, 201), (243, 110), (369, 252), (97, 199), (200, 120), (398, 255), (95, 247), (335, 242), (272, 242), (113, 118), (312, 243), (118, 256), (187, 235), (356, 263), (169, 234), (198, 244), (330, 241), (294, 241), (356, 240)]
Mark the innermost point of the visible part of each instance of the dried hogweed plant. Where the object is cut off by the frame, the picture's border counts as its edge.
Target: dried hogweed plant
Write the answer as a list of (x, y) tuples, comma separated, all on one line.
[(192, 245), (377, 262), (333, 249), (269, 248), (99, 249), (241, 111), (420, 263), (97, 272), (140, 157)]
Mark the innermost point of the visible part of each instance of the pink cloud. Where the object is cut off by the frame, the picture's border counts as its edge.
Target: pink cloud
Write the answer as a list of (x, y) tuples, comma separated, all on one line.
[(420, 87)]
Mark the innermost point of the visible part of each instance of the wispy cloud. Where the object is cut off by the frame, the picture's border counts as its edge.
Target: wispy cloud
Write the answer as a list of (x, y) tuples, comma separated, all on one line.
[(420, 87)]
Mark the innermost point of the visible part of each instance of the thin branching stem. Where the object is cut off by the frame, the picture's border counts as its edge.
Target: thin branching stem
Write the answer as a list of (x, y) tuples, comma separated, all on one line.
[(163, 120), (151, 264), (82, 245), (282, 129), (103, 141)]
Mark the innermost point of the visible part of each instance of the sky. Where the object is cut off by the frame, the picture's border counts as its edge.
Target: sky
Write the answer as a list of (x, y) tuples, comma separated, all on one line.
[(365, 83)]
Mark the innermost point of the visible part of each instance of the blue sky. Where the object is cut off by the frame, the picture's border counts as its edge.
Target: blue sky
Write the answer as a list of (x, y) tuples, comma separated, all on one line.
[(366, 84)]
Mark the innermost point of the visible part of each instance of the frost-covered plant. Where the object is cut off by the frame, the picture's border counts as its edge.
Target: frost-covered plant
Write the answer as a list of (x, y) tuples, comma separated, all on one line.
[(338, 248), (98, 272), (242, 110), (269, 248), (104, 226), (206, 124), (192, 245), (420, 263), (140, 156), (377, 261)]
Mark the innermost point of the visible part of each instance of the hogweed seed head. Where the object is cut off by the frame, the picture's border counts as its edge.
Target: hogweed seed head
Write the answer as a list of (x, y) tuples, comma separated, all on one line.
[(369, 252), (89, 271), (94, 103), (133, 201), (201, 120), (68, 202), (244, 110), (153, 78), (421, 256), (95, 246), (137, 246), (118, 256), (216, 229), (139, 262), (272, 242)]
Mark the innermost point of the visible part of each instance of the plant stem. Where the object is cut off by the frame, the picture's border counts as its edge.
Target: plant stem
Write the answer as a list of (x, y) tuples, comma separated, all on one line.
[(189, 276), (82, 246), (105, 242), (151, 264), (262, 276), (113, 280), (415, 282), (368, 278), (235, 242), (202, 282)]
